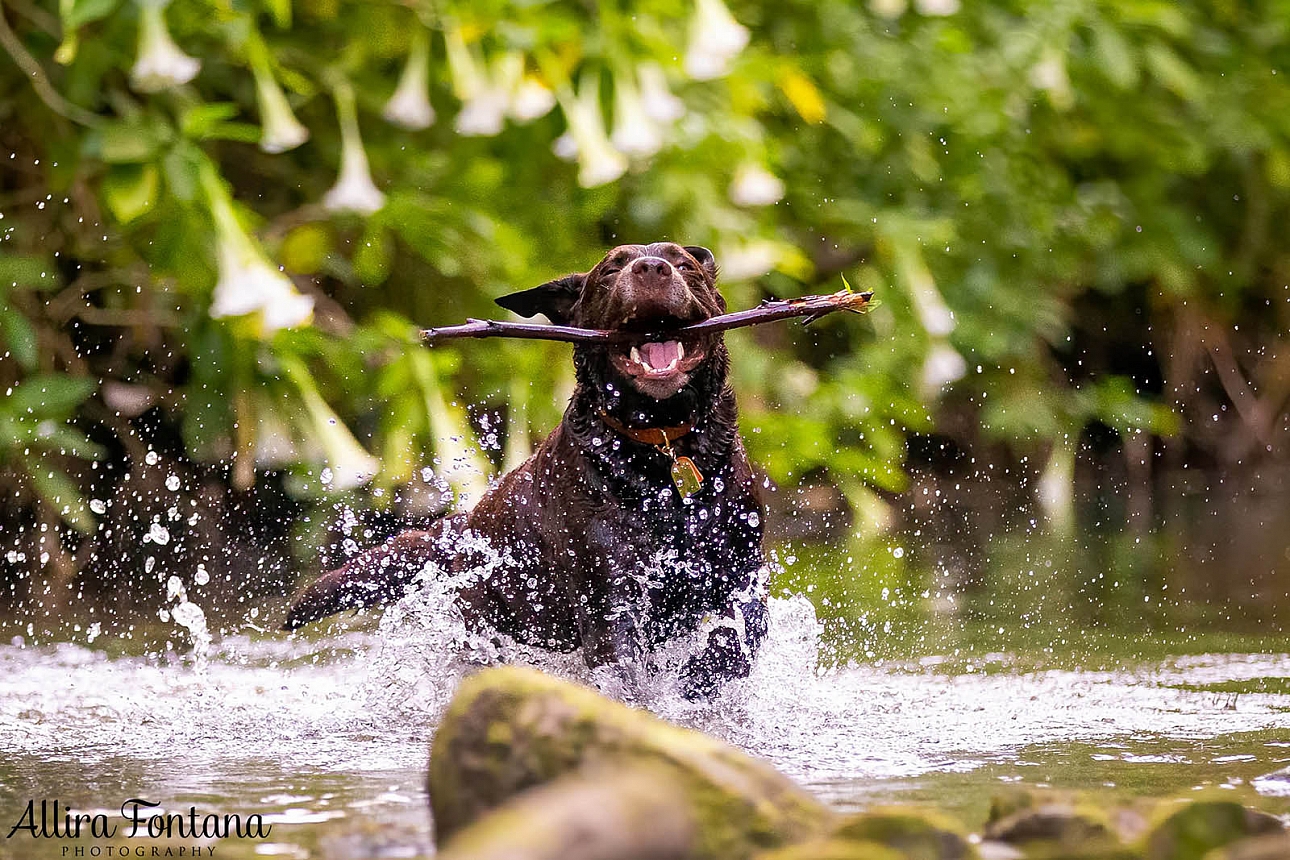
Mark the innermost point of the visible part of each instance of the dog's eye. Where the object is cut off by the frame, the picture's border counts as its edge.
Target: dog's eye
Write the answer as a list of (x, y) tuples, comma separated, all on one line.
[(683, 266), (610, 271)]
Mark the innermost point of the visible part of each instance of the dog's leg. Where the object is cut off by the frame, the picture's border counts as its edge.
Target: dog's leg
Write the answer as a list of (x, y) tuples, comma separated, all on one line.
[(379, 575), (736, 635), (610, 604), (732, 643)]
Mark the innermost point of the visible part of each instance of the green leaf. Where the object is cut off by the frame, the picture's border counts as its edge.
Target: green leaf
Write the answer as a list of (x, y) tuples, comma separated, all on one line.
[(131, 190), (57, 489), (1114, 57), (305, 248), (373, 258), (198, 120), (28, 272), (130, 141), (281, 12), (240, 132), (49, 395), (19, 336), (1173, 72), (63, 439), (181, 165)]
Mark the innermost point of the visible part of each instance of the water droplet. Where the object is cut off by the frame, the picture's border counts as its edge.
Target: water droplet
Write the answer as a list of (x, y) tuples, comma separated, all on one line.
[(172, 483), (98, 506), (152, 458), (159, 534)]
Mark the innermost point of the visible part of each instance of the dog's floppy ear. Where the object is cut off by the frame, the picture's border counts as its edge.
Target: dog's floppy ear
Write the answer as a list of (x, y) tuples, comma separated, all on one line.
[(704, 258), (554, 298)]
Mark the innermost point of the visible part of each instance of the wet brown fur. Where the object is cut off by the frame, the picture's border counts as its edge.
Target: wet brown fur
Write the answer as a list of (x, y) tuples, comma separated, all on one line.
[(593, 511)]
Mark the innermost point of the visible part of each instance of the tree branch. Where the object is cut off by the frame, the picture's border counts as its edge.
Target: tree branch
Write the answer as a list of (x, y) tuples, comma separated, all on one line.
[(52, 98), (811, 307)]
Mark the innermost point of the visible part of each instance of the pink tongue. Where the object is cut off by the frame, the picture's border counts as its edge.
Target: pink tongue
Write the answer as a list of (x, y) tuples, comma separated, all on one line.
[(659, 356)]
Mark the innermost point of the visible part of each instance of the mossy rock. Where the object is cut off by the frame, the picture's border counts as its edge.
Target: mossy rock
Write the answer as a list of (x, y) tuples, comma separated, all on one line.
[(1015, 799), (1198, 828), (1064, 823), (915, 834), (1053, 830), (1275, 846), (631, 814), (833, 849), (511, 729)]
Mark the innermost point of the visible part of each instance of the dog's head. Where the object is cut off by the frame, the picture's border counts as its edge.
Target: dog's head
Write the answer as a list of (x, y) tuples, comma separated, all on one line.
[(638, 288)]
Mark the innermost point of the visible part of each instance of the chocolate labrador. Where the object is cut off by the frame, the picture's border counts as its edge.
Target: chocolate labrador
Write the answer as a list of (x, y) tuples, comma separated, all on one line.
[(637, 520)]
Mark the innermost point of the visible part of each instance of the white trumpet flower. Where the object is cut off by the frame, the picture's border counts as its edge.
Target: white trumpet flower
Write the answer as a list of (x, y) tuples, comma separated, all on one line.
[(463, 67), (348, 465), (459, 459), (716, 38), (1056, 487), (565, 147), (656, 98), (754, 185), (527, 97), (531, 100), (483, 103), (354, 190), (482, 116), (937, 8), (635, 133), (410, 106), (274, 447), (747, 260), (1049, 75), (936, 317), (942, 366), (598, 162), (160, 64), (279, 128), (247, 282), (889, 9)]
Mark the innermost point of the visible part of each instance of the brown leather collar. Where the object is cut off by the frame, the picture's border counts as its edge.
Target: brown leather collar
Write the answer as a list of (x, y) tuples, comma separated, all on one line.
[(659, 437)]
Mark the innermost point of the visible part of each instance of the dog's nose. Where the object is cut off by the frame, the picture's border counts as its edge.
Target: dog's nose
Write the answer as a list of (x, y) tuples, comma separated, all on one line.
[(653, 268)]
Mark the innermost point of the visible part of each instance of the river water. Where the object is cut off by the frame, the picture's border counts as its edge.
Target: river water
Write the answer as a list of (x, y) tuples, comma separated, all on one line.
[(325, 735)]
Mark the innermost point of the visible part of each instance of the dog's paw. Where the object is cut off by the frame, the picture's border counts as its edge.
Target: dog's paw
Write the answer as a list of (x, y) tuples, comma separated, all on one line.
[(721, 660)]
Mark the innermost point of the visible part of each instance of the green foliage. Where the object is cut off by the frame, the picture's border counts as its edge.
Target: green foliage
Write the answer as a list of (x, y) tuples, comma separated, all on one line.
[(1007, 178)]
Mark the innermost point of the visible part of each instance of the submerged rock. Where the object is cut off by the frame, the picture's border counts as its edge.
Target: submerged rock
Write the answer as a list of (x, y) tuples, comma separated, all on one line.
[(1058, 825), (509, 730), (1198, 828)]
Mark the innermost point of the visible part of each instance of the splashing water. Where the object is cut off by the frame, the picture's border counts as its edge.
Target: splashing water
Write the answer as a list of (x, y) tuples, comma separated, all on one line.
[(249, 713)]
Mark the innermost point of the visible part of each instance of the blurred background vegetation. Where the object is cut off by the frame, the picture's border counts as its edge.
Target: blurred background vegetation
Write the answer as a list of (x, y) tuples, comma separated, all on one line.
[(221, 224)]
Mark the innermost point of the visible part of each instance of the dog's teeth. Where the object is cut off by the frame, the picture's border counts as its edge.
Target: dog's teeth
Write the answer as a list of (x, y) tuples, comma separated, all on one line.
[(680, 352), (636, 355)]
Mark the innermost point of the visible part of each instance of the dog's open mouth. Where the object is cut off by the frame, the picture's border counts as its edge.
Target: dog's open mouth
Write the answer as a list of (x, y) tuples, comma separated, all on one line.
[(659, 368), (657, 359)]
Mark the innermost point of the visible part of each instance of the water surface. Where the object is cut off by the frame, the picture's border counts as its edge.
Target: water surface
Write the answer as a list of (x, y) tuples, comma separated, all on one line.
[(326, 735)]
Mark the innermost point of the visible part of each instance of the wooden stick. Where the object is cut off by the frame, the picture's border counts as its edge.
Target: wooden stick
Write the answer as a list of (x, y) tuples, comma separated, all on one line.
[(811, 307)]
